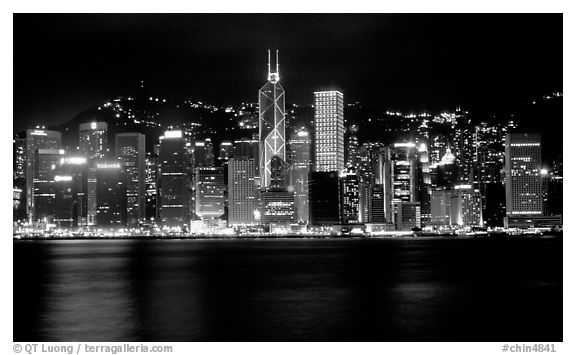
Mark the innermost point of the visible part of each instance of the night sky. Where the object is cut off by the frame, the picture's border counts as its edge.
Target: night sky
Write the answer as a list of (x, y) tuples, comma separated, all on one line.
[(64, 64)]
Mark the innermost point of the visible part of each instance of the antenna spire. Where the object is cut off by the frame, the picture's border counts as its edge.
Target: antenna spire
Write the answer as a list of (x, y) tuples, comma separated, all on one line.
[(273, 77), (268, 63)]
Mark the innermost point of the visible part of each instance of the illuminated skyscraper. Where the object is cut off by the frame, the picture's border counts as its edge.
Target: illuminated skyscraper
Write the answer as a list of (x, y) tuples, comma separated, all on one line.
[(408, 216), (242, 192), (45, 172), (272, 116), (523, 178), (300, 144), (225, 151), (110, 195), (37, 139), (404, 174), (466, 206), (93, 139), (130, 150), (203, 153), (329, 123), (209, 192), (93, 144), (174, 185), (350, 203)]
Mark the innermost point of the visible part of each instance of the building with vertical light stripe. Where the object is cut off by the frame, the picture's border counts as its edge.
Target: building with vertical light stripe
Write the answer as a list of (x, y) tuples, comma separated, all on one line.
[(329, 124), (174, 184), (272, 124), (130, 151)]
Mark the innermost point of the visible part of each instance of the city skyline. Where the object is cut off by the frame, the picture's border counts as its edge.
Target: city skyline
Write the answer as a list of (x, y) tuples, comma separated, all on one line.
[(288, 177)]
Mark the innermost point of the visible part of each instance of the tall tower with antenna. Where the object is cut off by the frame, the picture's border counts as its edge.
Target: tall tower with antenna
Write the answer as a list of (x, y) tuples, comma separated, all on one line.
[(272, 119)]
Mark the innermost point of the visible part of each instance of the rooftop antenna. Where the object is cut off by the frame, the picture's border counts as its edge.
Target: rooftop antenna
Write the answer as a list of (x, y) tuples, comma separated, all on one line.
[(273, 77), (268, 64)]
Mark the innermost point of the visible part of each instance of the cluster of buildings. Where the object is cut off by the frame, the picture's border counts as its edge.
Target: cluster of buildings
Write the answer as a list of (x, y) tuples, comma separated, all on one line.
[(302, 180)]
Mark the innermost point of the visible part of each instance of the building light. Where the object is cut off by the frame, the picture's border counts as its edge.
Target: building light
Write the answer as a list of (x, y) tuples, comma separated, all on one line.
[(62, 178), (462, 187), (108, 166), (173, 134), (407, 145)]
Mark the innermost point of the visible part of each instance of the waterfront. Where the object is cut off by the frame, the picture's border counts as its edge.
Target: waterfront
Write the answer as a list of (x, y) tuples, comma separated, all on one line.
[(273, 290)]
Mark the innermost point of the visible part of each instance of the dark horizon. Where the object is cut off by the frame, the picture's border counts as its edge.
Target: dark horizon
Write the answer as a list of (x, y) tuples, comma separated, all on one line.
[(64, 64)]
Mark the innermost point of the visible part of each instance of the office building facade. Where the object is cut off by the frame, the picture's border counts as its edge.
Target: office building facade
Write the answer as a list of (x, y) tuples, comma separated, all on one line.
[(329, 125)]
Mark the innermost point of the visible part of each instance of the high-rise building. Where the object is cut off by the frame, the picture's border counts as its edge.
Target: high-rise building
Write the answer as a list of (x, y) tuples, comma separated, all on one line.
[(246, 149), (203, 153), (130, 150), (466, 207), (408, 216), (300, 158), (350, 203), (377, 204), (174, 186), (93, 139), (110, 195), (93, 144), (64, 200), (352, 147), (19, 156), (324, 192), (73, 173), (523, 178), (445, 173), (440, 207), (277, 207), (460, 206), (272, 123), (209, 193), (329, 124), (45, 172), (37, 139), (152, 183), (404, 173), (226, 151), (242, 201), (424, 182)]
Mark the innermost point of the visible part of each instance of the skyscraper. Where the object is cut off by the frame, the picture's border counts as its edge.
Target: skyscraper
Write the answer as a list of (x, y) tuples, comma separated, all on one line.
[(75, 168), (242, 192), (93, 139), (324, 198), (209, 192), (110, 195), (523, 178), (350, 203), (93, 144), (404, 174), (203, 153), (277, 207), (466, 206), (272, 123), (130, 150), (174, 186), (300, 144), (45, 171), (37, 139), (408, 216), (329, 123)]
